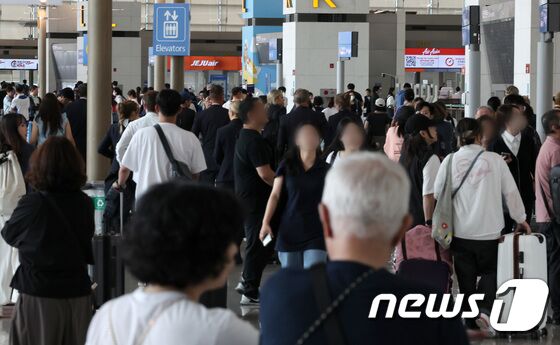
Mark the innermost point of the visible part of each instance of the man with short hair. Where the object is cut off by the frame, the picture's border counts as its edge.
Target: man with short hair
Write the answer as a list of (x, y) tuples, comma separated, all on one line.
[(358, 100), (484, 111), (253, 178), (185, 118), (206, 124), (407, 109), (77, 116), (149, 120), (359, 240), (549, 157), (7, 103), (300, 114), (146, 155), (400, 96), (236, 95), (21, 103)]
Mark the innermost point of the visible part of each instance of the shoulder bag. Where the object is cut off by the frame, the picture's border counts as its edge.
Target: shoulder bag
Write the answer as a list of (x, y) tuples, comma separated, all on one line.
[(178, 169)]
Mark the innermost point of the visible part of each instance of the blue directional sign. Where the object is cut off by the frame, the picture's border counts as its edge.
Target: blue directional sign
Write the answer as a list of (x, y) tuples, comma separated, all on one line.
[(172, 29)]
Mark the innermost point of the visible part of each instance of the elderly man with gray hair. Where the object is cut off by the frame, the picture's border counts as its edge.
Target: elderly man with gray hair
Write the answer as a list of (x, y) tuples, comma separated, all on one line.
[(364, 212)]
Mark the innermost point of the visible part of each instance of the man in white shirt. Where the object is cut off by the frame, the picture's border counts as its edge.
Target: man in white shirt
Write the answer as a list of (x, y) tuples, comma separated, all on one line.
[(236, 95), (21, 103), (146, 157), (149, 120), (7, 102)]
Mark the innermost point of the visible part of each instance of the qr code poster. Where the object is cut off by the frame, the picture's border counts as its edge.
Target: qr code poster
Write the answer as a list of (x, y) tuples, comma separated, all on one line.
[(410, 61)]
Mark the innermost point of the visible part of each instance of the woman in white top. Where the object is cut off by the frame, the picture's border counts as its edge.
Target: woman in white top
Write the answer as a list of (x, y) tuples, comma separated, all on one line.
[(478, 214), (350, 137), (330, 110), (181, 247)]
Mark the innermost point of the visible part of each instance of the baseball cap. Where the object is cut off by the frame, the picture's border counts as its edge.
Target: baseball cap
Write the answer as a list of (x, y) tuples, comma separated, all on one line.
[(417, 123), (380, 102)]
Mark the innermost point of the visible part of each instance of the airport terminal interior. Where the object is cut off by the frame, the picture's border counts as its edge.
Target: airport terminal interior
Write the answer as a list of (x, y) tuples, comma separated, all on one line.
[(239, 172)]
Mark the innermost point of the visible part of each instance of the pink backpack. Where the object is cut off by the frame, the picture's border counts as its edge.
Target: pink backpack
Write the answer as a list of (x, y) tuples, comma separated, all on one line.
[(420, 245)]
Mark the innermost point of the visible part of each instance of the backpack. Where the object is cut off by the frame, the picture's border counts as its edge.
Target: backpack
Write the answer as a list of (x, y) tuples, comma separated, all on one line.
[(555, 192), (12, 184)]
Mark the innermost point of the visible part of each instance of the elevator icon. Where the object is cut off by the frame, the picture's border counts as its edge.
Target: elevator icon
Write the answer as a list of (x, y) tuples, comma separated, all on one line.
[(171, 25)]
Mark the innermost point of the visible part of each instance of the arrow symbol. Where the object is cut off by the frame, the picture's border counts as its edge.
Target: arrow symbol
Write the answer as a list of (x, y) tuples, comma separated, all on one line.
[(167, 15), (174, 16)]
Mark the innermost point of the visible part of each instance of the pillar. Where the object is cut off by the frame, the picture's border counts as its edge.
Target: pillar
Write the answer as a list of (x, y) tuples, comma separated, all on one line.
[(178, 67), (526, 26), (99, 83), (545, 70), (159, 67), (42, 49), (473, 80)]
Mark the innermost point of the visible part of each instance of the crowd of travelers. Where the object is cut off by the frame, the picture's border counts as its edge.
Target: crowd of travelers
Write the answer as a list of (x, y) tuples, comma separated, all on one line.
[(330, 190)]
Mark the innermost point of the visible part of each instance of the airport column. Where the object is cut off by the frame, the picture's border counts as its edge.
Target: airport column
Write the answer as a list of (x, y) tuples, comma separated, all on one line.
[(471, 39), (178, 67), (99, 83), (549, 24), (42, 49), (159, 66)]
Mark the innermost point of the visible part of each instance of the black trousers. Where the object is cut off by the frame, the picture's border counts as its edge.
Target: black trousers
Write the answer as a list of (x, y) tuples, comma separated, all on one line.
[(552, 233), (208, 177), (473, 259), (510, 224), (256, 256)]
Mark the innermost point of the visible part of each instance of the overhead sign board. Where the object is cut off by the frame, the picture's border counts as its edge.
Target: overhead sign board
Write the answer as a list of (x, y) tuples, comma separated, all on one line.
[(434, 58), (171, 29), (326, 6), (347, 44), (21, 64)]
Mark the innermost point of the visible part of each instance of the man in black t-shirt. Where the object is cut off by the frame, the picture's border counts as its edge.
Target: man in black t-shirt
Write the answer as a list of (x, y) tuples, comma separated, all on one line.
[(253, 177), (359, 240), (185, 118)]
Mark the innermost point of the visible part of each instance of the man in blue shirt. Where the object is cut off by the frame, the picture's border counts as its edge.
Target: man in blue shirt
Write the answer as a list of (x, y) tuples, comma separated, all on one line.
[(400, 96), (364, 215)]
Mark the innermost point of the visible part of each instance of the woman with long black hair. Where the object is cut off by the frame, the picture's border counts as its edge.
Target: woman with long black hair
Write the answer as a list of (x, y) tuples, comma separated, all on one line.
[(50, 121), (297, 191), (350, 137), (422, 165), (13, 132)]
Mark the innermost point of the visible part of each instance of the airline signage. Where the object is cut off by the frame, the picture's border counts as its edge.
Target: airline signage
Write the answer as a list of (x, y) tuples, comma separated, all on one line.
[(434, 58), (21, 64)]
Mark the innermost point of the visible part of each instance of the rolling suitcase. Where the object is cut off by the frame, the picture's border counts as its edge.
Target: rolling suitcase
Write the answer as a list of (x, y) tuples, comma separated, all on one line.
[(108, 270), (522, 256)]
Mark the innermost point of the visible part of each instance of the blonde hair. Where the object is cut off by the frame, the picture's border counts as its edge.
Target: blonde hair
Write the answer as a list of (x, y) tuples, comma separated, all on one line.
[(234, 107), (272, 95)]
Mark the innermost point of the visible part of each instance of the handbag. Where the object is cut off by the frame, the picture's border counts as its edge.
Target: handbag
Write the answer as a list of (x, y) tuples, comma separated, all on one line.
[(442, 220), (178, 169)]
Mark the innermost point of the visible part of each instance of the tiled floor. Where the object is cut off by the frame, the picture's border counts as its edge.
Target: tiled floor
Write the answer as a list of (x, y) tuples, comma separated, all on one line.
[(251, 314)]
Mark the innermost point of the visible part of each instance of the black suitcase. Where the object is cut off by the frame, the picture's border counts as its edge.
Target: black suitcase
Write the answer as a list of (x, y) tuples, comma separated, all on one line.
[(108, 268)]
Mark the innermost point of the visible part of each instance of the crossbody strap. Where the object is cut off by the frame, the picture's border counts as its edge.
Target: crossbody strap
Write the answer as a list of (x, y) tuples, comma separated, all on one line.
[(167, 148), (467, 174), (327, 306), (150, 324)]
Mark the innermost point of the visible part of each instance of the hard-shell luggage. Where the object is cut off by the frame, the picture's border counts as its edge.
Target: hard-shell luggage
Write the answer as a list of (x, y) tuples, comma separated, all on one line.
[(521, 256), (421, 259), (108, 270)]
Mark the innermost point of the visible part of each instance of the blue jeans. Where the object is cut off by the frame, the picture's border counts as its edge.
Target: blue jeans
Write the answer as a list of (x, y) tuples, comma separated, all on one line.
[(302, 259)]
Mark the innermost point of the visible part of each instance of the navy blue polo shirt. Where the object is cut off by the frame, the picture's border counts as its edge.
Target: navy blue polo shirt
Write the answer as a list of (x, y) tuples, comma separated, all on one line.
[(300, 227)]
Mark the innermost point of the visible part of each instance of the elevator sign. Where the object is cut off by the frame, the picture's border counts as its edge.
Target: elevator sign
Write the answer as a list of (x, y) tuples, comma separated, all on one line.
[(171, 29)]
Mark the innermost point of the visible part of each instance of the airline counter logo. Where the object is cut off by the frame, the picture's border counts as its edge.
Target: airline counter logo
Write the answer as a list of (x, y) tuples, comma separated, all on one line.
[(527, 308), (204, 63)]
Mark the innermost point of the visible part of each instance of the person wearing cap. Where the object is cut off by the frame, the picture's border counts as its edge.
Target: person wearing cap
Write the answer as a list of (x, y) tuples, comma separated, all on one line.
[(422, 165), (185, 118), (376, 125)]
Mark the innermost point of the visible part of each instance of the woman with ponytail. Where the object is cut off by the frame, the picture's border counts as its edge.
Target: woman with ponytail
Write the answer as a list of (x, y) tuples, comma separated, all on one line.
[(50, 121)]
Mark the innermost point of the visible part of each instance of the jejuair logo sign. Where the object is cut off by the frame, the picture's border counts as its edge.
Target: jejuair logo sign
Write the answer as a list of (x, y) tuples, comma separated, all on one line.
[(527, 308)]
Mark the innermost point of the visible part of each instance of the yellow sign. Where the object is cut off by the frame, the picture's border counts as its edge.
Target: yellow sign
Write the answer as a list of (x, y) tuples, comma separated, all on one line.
[(289, 4), (329, 2), (244, 6)]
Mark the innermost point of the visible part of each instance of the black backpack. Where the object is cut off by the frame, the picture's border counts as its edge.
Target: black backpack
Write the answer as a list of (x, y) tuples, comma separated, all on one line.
[(555, 192)]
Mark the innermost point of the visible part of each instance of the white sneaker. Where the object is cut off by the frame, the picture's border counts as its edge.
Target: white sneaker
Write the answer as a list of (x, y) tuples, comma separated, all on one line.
[(483, 322), (249, 301)]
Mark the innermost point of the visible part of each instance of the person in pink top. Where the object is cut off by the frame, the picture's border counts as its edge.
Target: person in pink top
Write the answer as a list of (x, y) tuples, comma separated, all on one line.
[(549, 157), (395, 139)]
